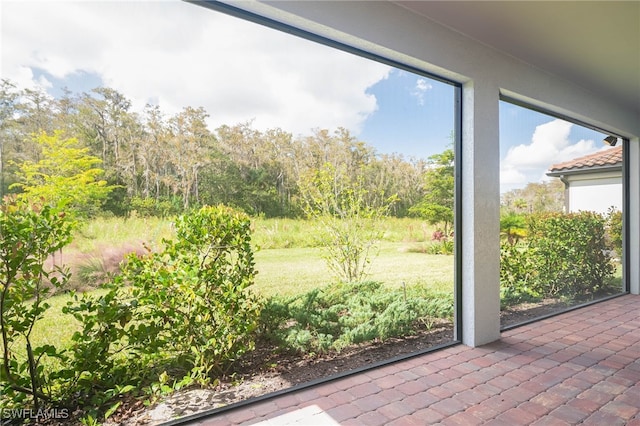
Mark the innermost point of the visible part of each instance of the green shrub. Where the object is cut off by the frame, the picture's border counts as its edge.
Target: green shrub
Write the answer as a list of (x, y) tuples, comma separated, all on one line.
[(152, 207), (564, 255), (513, 227), (182, 314), (349, 218), (340, 315), (614, 230), (30, 233), (441, 243), (444, 246), (517, 274), (572, 255)]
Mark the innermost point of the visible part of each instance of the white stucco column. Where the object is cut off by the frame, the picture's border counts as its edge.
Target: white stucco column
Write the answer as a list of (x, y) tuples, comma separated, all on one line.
[(480, 213), (634, 216)]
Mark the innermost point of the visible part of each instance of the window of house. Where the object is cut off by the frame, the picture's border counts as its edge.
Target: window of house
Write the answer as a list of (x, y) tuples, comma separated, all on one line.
[(344, 164), (562, 190)]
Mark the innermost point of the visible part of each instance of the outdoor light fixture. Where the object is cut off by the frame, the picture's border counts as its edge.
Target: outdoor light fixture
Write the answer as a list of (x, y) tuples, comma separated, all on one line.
[(610, 140)]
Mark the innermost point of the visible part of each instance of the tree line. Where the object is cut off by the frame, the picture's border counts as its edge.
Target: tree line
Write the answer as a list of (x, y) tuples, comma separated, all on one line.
[(535, 197), (168, 163)]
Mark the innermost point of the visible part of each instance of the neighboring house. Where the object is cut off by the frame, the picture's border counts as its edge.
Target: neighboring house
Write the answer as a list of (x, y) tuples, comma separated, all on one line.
[(592, 182)]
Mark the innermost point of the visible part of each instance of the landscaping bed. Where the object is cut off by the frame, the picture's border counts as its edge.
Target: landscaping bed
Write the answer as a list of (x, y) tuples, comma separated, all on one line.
[(266, 370)]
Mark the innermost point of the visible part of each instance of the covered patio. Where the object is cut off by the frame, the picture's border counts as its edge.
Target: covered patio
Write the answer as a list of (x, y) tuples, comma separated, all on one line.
[(580, 367)]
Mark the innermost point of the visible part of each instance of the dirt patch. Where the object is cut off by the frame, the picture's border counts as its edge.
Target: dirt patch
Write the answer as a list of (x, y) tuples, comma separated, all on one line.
[(524, 312), (266, 370)]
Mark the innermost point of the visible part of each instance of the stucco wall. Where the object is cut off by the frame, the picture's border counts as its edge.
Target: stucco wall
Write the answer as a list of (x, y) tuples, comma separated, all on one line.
[(596, 193)]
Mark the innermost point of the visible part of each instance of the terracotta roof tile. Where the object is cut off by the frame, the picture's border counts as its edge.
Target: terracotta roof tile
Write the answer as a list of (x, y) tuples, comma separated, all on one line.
[(607, 157)]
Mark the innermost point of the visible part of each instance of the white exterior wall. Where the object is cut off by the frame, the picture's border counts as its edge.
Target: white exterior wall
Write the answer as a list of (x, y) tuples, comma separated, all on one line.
[(596, 193), (391, 31)]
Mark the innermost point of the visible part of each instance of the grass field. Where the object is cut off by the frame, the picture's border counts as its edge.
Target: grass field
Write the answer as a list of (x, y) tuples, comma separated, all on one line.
[(114, 231), (291, 271), (287, 260), (291, 233), (287, 255)]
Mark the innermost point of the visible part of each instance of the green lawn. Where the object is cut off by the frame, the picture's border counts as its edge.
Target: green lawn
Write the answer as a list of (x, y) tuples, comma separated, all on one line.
[(287, 256), (114, 232), (281, 270), (290, 233), (287, 272), (54, 329), (291, 271)]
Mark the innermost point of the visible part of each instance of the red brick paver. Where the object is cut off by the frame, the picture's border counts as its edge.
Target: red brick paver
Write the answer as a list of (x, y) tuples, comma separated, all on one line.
[(579, 367)]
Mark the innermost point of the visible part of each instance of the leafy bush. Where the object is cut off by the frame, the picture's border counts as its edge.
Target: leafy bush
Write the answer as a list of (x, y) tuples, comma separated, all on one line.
[(340, 315), (441, 243), (349, 216), (614, 230), (513, 227), (564, 255), (571, 253), (185, 315), (29, 234), (152, 207), (517, 274)]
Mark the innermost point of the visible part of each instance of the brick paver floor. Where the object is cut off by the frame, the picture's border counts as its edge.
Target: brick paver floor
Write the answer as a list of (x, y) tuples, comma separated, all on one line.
[(581, 367)]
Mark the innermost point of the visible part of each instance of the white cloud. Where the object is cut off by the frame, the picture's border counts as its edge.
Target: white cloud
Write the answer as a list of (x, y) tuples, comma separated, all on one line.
[(550, 144), (510, 176), (43, 82), (421, 88), (179, 54)]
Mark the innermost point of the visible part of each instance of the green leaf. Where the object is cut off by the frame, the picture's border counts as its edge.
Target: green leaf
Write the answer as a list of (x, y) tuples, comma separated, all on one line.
[(112, 409)]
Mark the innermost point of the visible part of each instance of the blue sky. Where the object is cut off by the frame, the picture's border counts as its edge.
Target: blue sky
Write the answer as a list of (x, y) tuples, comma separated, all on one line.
[(177, 54), (530, 142), (415, 115)]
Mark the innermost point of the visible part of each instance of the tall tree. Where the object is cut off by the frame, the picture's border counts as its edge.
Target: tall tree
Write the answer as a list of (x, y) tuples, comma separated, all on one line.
[(37, 112), (153, 152), (8, 107), (108, 126), (390, 175), (191, 146), (66, 176), (437, 204), (178, 159), (535, 197), (256, 169), (25, 112)]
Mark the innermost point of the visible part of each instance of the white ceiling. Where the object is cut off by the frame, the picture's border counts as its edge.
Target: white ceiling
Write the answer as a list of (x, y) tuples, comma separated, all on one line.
[(595, 44)]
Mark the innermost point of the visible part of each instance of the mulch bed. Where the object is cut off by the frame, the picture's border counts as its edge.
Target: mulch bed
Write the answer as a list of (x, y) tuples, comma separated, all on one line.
[(267, 370)]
